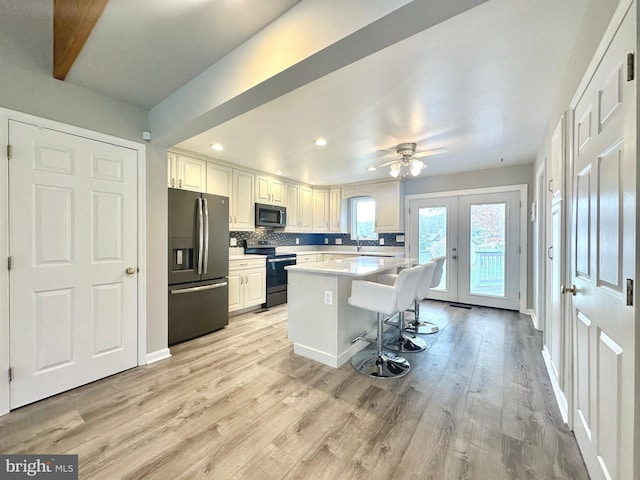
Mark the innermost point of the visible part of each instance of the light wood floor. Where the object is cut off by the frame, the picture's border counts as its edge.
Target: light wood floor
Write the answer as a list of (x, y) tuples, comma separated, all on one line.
[(238, 404)]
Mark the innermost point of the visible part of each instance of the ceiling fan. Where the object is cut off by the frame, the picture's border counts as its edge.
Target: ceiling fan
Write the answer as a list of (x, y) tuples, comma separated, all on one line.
[(408, 161)]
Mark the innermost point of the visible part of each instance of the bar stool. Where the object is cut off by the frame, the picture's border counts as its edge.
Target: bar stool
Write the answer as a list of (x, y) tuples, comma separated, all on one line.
[(385, 300), (421, 326), (415, 325)]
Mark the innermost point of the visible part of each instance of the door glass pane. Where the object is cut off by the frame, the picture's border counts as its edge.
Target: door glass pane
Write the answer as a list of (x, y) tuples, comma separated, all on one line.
[(432, 237), (487, 249)]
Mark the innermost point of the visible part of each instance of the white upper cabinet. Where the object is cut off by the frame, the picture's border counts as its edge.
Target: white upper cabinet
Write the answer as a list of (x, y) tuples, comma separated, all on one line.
[(219, 179), (270, 190), (186, 173), (389, 207), (321, 210), (299, 216), (351, 191), (242, 201), (305, 213), (335, 210), (172, 172), (192, 174)]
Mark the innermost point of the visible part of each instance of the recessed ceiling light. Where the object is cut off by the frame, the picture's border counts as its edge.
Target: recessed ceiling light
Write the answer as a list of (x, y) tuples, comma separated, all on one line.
[(371, 169), (217, 146), (312, 182), (321, 142), (278, 172)]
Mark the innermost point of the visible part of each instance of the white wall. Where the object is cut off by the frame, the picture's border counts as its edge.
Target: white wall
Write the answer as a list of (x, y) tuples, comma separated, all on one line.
[(27, 85)]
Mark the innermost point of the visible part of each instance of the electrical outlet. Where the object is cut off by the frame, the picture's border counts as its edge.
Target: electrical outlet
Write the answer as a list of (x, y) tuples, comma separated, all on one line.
[(381, 241), (328, 297), (338, 241), (233, 242), (326, 241), (297, 241)]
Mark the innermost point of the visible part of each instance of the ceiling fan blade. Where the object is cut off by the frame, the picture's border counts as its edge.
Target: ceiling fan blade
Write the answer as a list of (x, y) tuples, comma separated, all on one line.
[(427, 153), (387, 163)]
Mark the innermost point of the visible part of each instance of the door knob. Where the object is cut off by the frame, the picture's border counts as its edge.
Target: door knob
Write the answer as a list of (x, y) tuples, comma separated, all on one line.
[(454, 256), (130, 270), (572, 290)]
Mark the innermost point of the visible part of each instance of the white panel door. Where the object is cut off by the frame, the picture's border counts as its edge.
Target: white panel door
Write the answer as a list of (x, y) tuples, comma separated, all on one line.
[(73, 233), (603, 261)]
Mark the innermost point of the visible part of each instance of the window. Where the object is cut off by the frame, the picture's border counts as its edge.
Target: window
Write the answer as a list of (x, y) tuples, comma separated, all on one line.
[(363, 219)]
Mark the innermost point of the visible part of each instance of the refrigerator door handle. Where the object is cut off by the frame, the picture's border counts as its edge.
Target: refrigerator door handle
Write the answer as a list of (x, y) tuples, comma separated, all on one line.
[(205, 209), (200, 237), (198, 289)]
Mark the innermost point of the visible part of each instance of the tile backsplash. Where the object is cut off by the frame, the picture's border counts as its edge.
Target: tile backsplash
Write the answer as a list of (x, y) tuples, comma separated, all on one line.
[(283, 239)]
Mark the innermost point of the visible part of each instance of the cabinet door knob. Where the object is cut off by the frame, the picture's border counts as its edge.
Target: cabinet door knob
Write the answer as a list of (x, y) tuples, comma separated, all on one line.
[(130, 270)]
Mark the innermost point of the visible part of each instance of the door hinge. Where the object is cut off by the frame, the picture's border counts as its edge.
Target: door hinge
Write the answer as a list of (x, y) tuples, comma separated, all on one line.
[(10, 372), (630, 67), (9, 263), (518, 295), (9, 151), (629, 292)]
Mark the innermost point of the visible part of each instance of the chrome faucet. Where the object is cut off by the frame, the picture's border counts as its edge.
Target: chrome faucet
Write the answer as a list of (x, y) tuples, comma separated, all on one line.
[(358, 246)]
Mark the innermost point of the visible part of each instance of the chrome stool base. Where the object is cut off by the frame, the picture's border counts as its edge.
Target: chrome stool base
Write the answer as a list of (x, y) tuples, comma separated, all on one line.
[(383, 365), (406, 344), (424, 328)]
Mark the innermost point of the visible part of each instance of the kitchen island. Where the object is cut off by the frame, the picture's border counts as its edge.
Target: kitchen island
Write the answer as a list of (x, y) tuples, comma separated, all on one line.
[(321, 322)]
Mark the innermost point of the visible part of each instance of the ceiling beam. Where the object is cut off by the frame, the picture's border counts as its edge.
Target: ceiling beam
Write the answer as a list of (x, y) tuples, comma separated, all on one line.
[(73, 21)]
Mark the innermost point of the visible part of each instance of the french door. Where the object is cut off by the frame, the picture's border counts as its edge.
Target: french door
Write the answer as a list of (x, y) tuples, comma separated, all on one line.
[(479, 234)]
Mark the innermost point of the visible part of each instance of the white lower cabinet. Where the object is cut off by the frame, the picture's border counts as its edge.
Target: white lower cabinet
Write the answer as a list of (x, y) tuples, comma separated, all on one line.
[(306, 257), (247, 283)]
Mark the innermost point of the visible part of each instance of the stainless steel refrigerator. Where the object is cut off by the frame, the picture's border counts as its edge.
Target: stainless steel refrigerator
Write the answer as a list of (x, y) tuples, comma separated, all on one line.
[(198, 264)]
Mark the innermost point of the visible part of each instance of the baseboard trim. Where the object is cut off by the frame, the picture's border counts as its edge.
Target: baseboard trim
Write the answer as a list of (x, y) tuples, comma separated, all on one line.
[(158, 355), (561, 400), (534, 318)]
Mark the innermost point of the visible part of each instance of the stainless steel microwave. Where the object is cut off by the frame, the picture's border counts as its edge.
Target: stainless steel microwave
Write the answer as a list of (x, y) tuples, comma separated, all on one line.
[(270, 216)]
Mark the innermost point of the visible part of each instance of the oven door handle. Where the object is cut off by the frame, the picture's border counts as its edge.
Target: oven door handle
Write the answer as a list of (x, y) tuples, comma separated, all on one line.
[(274, 260)]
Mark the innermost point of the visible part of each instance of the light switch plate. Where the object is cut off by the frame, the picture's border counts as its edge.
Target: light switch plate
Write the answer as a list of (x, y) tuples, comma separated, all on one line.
[(400, 238), (233, 242), (338, 241)]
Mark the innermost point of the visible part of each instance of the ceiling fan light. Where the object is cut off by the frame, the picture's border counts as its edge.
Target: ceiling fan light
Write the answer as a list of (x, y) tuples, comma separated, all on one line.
[(415, 167), (394, 170)]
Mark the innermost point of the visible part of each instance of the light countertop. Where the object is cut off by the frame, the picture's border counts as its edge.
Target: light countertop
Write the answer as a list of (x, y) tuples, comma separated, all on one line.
[(353, 267)]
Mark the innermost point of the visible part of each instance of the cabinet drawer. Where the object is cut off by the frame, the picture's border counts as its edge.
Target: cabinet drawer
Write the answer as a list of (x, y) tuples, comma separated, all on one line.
[(306, 258), (244, 264)]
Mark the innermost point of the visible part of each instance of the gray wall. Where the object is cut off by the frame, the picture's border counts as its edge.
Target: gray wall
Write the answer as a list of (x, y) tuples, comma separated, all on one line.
[(493, 177), (594, 24), (27, 85), (157, 245)]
